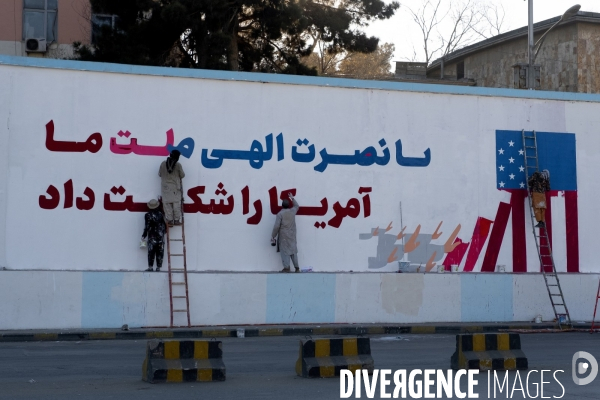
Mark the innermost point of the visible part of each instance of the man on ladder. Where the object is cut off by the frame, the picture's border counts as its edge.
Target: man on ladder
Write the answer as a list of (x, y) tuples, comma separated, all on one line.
[(539, 184), (171, 173)]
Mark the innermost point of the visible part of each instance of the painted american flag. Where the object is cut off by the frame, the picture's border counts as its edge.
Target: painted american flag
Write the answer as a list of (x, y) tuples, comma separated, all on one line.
[(556, 153)]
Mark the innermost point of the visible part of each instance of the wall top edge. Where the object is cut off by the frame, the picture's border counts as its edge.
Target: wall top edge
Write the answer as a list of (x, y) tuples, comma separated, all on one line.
[(256, 77)]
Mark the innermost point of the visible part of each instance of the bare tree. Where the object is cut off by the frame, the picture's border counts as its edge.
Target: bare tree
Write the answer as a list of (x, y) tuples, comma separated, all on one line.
[(428, 17), (465, 18), (449, 25), (413, 57), (493, 20)]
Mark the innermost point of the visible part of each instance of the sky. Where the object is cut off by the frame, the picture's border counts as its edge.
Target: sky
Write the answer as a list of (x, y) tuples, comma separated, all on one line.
[(405, 34)]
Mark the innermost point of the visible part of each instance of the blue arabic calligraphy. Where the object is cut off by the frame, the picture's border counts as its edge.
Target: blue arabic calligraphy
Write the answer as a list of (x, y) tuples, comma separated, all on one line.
[(257, 155)]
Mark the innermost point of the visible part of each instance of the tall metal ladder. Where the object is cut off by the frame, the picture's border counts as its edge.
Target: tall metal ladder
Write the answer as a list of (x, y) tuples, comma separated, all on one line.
[(178, 280), (595, 308), (542, 242)]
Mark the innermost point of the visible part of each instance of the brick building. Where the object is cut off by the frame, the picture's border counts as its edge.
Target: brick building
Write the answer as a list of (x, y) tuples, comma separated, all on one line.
[(44, 28), (569, 59)]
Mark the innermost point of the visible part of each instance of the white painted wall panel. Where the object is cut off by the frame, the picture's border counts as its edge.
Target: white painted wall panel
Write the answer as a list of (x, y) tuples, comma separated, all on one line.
[(40, 300), (457, 187), (88, 300)]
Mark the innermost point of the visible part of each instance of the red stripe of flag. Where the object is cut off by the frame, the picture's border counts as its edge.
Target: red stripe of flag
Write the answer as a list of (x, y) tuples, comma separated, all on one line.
[(493, 247), (545, 251), (517, 203), (572, 225), (455, 256), (480, 234)]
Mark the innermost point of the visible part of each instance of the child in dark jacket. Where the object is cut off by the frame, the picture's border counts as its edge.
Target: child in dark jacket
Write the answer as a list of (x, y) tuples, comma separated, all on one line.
[(154, 230)]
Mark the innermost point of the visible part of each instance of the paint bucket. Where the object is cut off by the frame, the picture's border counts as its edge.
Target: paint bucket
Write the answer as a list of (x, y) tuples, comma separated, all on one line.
[(454, 267), (441, 269), (501, 268), (538, 319), (403, 266), (241, 333)]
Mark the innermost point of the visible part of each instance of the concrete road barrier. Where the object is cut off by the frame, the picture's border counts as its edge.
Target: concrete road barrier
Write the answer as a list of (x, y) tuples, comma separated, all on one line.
[(489, 351), (183, 361), (324, 358)]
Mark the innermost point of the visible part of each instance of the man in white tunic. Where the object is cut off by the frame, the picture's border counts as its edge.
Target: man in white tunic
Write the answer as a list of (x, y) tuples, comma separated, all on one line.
[(171, 173), (285, 228)]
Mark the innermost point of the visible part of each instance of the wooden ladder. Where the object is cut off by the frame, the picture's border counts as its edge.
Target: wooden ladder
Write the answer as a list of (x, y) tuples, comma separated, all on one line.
[(178, 279), (595, 308)]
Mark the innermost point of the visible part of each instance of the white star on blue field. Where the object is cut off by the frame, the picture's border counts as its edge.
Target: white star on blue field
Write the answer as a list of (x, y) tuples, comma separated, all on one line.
[(556, 152), (510, 161)]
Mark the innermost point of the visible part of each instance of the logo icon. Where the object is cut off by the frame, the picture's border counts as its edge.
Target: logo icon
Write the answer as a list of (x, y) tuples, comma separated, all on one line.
[(581, 367)]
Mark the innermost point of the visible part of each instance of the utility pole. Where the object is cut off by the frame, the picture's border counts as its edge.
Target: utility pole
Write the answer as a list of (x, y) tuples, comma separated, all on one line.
[(530, 48), (531, 51)]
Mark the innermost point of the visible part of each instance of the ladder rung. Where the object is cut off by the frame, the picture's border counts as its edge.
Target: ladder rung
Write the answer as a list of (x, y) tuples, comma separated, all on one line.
[(177, 269), (179, 297), (178, 283), (179, 310), (555, 294), (552, 285), (178, 255), (530, 147), (558, 304), (176, 240)]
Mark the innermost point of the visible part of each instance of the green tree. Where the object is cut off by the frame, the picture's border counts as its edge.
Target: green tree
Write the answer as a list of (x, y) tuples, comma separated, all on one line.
[(238, 35)]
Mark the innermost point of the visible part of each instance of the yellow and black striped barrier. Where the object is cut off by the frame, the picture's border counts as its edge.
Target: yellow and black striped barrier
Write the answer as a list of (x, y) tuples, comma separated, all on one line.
[(324, 358), (489, 351), (183, 361)]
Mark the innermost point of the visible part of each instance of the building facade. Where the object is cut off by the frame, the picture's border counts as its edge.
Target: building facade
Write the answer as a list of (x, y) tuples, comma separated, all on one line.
[(44, 28), (569, 58)]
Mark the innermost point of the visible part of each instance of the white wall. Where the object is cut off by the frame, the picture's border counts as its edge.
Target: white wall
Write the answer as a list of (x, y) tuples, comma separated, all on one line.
[(457, 187), (71, 268), (61, 299)]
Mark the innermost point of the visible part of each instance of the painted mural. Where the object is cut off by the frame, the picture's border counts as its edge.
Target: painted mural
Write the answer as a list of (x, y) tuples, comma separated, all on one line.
[(224, 205), (384, 183), (556, 153), (413, 252)]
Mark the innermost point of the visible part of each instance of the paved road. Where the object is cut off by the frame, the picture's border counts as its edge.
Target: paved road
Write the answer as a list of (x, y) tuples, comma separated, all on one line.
[(257, 368)]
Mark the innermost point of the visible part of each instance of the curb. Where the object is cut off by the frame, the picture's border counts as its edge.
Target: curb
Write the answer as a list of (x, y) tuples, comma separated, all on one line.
[(265, 332)]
